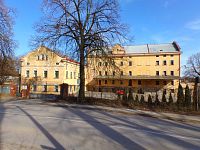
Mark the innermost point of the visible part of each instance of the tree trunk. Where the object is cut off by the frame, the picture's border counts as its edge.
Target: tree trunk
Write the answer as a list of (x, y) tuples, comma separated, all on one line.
[(81, 96)]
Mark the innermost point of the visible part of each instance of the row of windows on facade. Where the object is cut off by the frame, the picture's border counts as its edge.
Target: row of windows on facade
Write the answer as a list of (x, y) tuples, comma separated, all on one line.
[(130, 63), (29, 63), (42, 57), (130, 82), (130, 73), (45, 88), (56, 74)]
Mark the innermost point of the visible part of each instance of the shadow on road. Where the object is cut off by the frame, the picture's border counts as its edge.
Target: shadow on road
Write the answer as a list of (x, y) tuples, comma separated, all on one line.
[(57, 145), (106, 130), (2, 110), (154, 133)]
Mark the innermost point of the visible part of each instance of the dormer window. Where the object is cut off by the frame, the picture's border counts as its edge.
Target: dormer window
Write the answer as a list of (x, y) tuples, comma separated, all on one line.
[(57, 63)]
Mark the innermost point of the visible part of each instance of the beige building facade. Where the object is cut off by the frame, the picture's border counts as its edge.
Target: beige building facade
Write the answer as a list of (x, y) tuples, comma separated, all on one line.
[(142, 68), (43, 71)]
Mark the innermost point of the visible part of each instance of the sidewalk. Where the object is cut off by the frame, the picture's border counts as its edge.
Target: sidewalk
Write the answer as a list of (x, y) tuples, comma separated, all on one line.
[(161, 115)]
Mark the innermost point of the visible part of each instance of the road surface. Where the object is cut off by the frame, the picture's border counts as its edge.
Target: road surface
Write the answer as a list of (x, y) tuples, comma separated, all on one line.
[(26, 125)]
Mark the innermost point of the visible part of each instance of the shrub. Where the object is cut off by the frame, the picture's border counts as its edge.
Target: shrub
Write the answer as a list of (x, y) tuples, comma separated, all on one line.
[(157, 102), (187, 97), (164, 101), (124, 97), (180, 97), (136, 100), (130, 96), (150, 101), (170, 99), (142, 101)]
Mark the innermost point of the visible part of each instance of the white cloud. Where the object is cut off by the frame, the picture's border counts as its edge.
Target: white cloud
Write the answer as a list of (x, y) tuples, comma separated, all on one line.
[(193, 25)]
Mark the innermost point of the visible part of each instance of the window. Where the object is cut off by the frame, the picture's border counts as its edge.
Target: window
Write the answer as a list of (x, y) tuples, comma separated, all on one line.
[(172, 90), (27, 73), (165, 82), (99, 63), (157, 73), (164, 55), (56, 74), (35, 73), (46, 57), (139, 82), (106, 73), (45, 74), (113, 81), (34, 88), (164, 62), (66, 74), (172, 55), (42, 56), (106, 64), (164, 73), (74, 87), (157, 63), (130, 73), (106, 81), (121, 73), (113, 73), (28, 63), (172, 82), (100, 73), (99, 82), (74, 75), (121, 82), (71, 75), (172, 62), (38, 57), (129, 82), (130, 63), (44, 88), (157, 82), (56, 88), (57, 63), (157, 55), (172, 73), (121, 63)]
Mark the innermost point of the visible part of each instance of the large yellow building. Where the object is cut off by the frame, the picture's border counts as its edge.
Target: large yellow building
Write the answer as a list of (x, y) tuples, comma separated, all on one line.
[(44, 70), (143, 68)]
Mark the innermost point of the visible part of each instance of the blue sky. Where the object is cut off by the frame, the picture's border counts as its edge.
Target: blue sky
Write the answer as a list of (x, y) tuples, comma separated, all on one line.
[(150, 21)]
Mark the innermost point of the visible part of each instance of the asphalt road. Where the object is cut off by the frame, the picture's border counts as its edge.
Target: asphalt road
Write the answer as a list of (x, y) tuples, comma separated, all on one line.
[(29, 125)]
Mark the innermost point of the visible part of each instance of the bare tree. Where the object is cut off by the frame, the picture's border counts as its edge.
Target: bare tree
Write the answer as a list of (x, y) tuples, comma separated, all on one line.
[(8, 67), (192, 68), (7, 44), (83, 27)]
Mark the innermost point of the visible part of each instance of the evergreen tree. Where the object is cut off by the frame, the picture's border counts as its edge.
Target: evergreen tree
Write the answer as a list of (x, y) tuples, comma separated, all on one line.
[(124, 97), (142, 101), (150, 101), (130, 96), (136, 100), (187, 97), (195, 97), (170, 99), (180, 96), (157, 102), (164, 101)]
